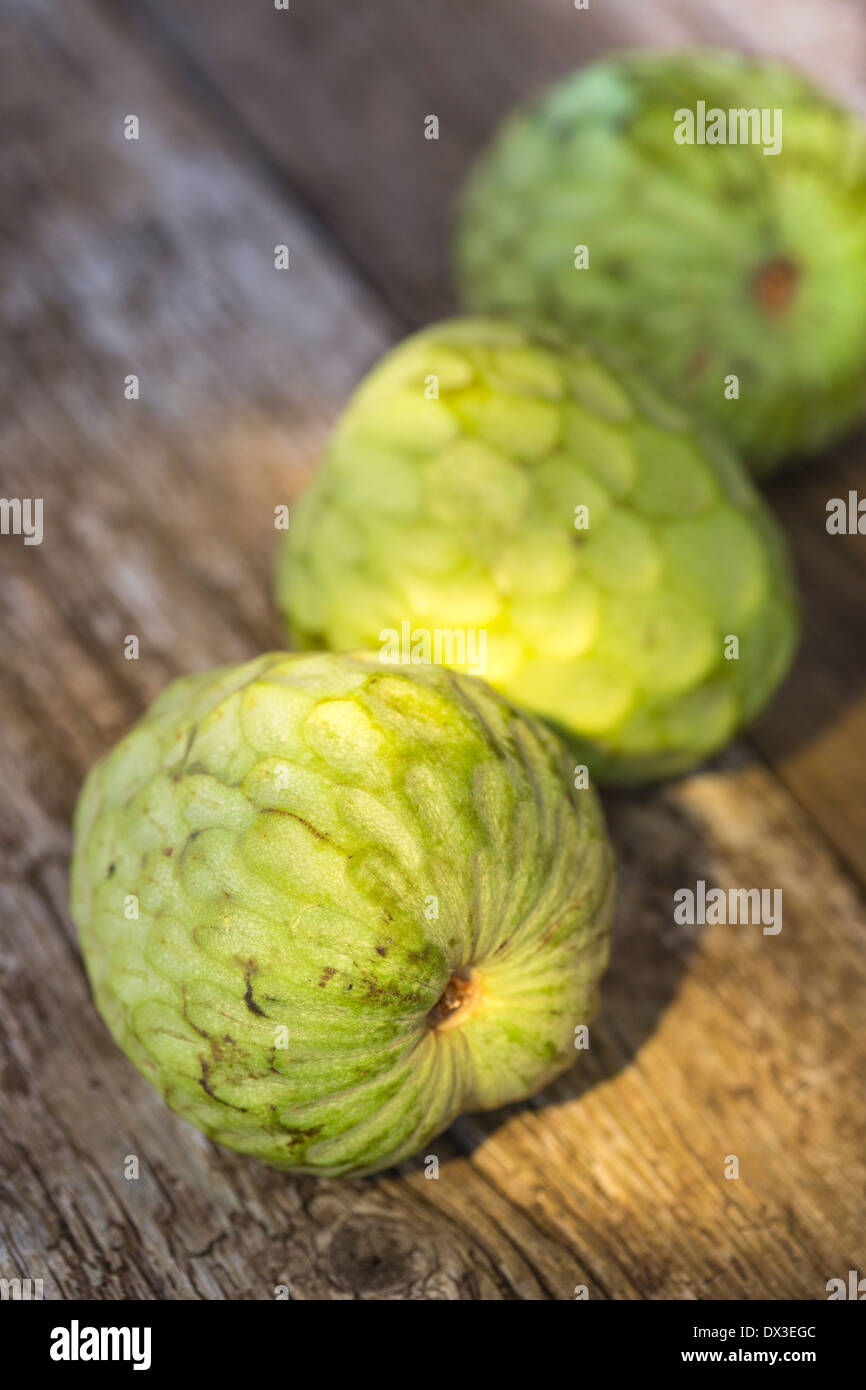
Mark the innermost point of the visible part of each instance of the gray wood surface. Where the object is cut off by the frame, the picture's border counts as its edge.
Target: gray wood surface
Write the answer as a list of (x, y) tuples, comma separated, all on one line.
[(155, 257)]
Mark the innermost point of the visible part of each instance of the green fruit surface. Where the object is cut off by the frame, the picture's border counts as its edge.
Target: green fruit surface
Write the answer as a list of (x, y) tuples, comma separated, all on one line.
[(456, 513), (282, 871), (705, 260)]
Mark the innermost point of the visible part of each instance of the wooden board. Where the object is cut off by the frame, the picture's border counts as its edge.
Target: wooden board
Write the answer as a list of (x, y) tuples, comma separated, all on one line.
[(155, 257)]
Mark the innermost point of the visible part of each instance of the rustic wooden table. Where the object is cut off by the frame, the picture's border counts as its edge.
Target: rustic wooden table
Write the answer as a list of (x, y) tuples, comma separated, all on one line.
[(155, 257)]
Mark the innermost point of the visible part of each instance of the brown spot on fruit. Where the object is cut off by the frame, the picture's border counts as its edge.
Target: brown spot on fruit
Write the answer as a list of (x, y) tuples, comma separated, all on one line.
[(327, 974), (296, 1137), (248, 997), (698, 362), (427, 955), (373, 989), (202, 1081), (776, 285), (279, 811)]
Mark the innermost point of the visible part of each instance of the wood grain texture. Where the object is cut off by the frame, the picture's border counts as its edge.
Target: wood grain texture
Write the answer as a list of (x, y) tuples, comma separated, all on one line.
[(156, 257)]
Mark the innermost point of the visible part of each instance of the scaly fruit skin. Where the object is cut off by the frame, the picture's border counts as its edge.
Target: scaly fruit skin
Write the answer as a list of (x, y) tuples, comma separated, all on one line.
[(367, 900), (704, 260), (458, 512)]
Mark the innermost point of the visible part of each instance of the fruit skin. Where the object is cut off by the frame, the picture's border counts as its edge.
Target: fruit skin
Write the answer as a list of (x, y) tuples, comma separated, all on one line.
[(283, 825), (704, 260), (459, 513)]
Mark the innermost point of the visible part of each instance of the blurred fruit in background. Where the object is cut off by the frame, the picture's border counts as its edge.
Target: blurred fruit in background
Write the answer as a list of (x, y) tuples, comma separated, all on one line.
[(705, 260)]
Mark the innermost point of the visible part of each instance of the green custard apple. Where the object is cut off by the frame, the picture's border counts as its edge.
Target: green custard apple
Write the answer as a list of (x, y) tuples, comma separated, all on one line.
[(519, 511), (325, 905), (703, 261)]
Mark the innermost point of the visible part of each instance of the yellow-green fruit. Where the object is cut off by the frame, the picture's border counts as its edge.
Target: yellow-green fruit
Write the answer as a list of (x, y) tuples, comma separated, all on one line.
[(707, 261), (601, 561), (326, 906)]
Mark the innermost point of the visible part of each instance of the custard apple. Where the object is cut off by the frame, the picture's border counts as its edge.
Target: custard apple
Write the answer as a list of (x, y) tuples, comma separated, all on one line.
[(556, 528), (703, 262), (326, 905)]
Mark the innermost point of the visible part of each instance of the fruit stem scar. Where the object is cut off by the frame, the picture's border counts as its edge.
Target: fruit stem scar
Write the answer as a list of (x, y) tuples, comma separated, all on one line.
[(459, 999)]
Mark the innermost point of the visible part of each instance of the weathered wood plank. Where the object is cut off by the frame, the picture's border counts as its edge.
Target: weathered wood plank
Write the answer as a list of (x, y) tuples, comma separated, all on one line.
[(156, 257), (337, 95), (338, 98)]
